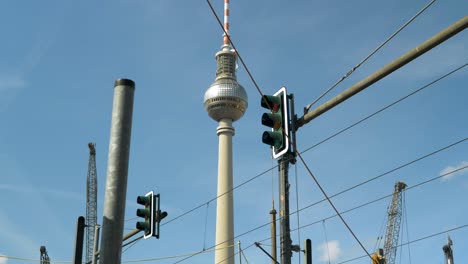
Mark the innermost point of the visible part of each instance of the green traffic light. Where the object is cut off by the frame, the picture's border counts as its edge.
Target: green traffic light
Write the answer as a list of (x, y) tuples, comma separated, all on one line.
[(143, 200), (146, 213), (274, 139), (272, 120), (144, 226)]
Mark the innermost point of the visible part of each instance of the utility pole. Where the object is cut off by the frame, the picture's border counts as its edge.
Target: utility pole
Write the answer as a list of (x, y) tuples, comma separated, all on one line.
[(285, 232), (44, 256), (273, 234), (448, 251), (80, 226), (117, 172), (280, 140)]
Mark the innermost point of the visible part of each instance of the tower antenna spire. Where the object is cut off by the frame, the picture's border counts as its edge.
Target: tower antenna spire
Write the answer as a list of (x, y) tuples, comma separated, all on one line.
[(226, 24)]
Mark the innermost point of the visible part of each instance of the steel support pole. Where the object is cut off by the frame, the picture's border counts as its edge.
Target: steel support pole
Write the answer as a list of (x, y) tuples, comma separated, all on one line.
[(117, 172), (273, 235), (386, 70), (97, 228), (285, 236), (80, 225)]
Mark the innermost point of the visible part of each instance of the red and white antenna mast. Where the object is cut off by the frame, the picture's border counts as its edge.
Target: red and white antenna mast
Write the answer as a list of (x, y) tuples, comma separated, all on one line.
[(226, 24)]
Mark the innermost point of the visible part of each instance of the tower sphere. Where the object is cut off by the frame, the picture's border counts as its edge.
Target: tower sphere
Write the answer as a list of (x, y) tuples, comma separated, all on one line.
[(226, 98)]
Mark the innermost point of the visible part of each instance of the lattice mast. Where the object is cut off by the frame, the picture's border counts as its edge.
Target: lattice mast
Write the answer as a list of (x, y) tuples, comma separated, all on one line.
[(91, 202), (44, 256), (394, 224)]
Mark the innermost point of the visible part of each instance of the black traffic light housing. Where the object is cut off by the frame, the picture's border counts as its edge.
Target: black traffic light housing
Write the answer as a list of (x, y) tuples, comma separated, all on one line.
[(152, 214), (278, 121), (147, 225)]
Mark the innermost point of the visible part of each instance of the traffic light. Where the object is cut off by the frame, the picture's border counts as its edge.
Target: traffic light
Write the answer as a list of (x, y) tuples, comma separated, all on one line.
[(159, 215), (147, 226), (278, 120)]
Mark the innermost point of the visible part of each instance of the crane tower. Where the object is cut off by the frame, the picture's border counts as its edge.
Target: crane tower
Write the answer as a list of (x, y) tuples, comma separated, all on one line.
[(91, 202), (393, 224)]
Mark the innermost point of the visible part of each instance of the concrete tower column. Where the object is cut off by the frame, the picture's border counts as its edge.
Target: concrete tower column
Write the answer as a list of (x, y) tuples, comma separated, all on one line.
[(225, 204)]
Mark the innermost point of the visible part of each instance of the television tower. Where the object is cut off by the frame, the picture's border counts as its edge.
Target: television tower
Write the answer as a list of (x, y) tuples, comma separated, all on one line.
[(226, 102)]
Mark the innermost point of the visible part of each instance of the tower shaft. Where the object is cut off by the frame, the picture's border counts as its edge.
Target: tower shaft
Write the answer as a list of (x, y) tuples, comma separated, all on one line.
[(394, 224), (91, 203), (225, 204)]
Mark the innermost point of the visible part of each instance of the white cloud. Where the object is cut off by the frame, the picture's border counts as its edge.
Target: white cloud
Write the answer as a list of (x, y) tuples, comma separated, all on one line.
[(10, 82), (331, 252), (3, 260), (453, 168)]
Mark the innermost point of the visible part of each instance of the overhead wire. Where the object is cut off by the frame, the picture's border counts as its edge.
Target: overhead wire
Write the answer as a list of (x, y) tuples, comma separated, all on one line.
[(297, 208), (329, 138), (368, 56), (346, 211), (389, 195), (295, 147), (351, 188), (388, 172), (406, 223), (331, 203), (411, 242), (354, 208), (379, 199)]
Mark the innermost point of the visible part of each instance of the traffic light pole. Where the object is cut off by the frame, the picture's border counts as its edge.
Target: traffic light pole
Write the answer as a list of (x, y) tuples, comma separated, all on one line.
[(285, 236), (440, 37)]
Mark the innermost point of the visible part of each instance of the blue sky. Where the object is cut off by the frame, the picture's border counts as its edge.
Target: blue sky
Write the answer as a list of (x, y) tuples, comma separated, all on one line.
[(59, 62)]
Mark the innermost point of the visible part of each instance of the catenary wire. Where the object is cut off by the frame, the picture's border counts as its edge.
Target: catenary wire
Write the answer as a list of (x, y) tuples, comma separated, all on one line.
[(388, 172), (134, 241), (333, 136), (298, 153), (354, 208), (325, 140), (364, 204), (297, 208), (355, 186), (411, 242), (368, 56), (407, 231), (329, 201), (386, 107), (379, 199)]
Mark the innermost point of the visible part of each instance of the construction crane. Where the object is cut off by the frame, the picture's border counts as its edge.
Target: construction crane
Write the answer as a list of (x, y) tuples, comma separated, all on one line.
[(393, 224), (91, 203), (448, 251), (44, 256), (388, 253)]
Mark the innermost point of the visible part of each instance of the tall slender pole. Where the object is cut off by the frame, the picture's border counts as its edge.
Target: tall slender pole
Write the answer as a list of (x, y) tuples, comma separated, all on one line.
[(80, 225), (285, 236), (239, 247), (97, 228), (224, 206), (117, 172), (273, 234)]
